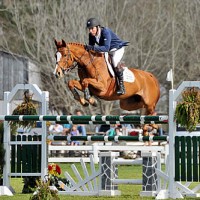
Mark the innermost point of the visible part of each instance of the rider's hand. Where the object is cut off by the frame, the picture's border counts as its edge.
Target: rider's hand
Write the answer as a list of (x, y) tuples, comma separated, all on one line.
[(89, 47)]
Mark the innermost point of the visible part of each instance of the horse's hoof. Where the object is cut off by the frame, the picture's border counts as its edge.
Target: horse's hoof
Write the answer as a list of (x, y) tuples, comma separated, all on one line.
[(86, 104), (93, 102)]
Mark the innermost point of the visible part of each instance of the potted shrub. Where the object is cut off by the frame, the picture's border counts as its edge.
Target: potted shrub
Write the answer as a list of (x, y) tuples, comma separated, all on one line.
[(187, 112), (25, 108)]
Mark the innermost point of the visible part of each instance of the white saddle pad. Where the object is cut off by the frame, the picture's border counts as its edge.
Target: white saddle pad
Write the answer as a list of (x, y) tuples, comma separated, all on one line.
[(128, 74)]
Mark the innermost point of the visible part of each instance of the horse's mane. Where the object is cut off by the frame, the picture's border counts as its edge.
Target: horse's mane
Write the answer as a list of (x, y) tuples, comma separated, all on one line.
[(60, 44), (81, 45), (76, 44), (98, 54)]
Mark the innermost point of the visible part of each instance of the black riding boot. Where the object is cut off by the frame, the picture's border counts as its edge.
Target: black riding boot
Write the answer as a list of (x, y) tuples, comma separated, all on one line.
[(121, 89)]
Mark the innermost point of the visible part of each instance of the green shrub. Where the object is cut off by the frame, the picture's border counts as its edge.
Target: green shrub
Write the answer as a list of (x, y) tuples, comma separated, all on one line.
[(187, 112), (44, 192)]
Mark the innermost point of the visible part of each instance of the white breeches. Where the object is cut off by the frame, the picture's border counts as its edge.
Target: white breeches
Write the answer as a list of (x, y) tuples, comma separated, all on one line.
[(116, 56)]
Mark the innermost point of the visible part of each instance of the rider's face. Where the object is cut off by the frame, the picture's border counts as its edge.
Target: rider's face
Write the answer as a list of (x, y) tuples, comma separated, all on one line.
[(93, 31)]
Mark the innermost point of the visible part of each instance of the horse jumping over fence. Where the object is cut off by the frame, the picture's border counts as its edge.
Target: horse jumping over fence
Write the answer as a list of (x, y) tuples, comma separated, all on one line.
[(96, 80)]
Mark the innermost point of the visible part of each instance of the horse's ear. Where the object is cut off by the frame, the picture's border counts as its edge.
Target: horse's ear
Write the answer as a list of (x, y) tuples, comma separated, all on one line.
[(55, 41), (63, 43)]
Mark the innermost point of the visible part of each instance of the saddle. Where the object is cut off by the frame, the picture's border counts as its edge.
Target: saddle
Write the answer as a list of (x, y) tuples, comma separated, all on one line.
[(128, 75)]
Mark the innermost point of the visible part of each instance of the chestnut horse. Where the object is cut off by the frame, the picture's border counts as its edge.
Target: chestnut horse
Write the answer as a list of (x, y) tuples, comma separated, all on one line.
[(96, 80)]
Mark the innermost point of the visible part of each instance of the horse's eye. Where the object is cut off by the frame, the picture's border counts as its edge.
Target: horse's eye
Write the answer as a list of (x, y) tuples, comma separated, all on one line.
[(65, 55)]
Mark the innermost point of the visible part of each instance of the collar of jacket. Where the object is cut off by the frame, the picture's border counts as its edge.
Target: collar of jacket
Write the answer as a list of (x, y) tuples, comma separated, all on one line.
[(98, 35)]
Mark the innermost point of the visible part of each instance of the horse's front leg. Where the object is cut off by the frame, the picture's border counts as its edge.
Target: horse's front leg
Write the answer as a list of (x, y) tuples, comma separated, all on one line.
[(95, 84), (88, 97), (99, 85), (74, 86)]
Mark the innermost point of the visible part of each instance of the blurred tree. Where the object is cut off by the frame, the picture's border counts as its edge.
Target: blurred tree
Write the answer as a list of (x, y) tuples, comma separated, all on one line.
[(162, 35)]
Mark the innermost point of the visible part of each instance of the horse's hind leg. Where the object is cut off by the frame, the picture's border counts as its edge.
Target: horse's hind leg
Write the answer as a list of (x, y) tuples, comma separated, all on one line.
[(135, 103), (125, 105), (150, 110)]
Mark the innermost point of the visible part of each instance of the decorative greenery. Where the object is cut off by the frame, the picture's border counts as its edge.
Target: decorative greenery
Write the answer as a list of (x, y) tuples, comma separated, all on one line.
[(25, 108), (44, 192), (187, 113)]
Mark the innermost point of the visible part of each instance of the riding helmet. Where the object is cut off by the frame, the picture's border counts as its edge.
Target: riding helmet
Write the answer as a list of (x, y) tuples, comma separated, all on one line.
[(92, 22)]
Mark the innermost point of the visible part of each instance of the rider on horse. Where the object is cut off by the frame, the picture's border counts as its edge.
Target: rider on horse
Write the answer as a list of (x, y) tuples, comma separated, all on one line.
[(107, 41)]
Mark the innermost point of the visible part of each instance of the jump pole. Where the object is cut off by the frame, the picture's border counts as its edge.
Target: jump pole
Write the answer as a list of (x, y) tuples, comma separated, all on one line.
[(90, 119), (107, 138)]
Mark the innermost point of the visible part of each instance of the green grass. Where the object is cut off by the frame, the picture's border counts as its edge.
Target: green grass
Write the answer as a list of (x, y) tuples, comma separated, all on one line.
[(128, 191)]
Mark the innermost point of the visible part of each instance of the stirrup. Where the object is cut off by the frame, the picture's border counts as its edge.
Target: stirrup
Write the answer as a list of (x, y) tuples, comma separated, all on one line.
[(120, 91)]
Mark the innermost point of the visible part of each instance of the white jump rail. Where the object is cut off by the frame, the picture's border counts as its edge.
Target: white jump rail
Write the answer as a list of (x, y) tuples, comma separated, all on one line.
[(96, 148)]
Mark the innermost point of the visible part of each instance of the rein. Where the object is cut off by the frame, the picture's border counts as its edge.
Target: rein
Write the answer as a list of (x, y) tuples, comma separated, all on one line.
[(79, 59)]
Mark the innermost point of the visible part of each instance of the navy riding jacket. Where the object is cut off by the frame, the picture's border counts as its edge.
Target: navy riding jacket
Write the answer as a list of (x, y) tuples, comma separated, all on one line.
[(108, 40)]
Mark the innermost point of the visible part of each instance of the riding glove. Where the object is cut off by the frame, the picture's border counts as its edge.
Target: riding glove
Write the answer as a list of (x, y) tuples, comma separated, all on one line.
[(89, 47)]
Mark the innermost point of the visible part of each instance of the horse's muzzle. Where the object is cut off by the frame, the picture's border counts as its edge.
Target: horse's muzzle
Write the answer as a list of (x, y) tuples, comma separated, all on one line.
[(56, 75)]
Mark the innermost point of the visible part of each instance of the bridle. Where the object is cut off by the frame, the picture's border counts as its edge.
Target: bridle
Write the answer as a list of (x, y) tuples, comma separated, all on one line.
[(68, 69)]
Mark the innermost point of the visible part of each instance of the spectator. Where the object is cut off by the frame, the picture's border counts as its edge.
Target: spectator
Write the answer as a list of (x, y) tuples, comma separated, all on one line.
[(136, 130), (55, 128), (127, 128), (74, 132), (81, 128), (104, 128), (67, 128), (116, 130), (150, 130)]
